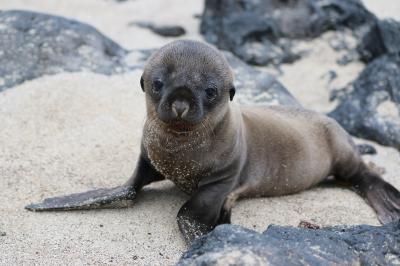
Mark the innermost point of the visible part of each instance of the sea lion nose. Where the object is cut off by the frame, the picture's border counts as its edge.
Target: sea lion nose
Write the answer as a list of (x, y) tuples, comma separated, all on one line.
[(180, 108)]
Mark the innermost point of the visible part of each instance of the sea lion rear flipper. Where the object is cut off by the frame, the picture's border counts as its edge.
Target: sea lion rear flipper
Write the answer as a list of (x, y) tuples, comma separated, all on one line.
[(93, 199), (383, 197)]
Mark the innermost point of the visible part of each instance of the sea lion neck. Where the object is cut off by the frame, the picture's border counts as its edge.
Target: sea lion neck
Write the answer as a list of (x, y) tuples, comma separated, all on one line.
[(157, 136)]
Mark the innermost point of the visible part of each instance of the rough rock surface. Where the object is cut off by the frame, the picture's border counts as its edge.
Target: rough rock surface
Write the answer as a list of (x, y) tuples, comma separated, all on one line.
[(261, 32), (382, 38), (370, 107), (256, 87), (35, 44), (280, 245)]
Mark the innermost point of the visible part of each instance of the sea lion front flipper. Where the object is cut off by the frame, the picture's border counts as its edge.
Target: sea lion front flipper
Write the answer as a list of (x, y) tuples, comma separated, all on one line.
[(120, 196), (203, 211), (382, 196)]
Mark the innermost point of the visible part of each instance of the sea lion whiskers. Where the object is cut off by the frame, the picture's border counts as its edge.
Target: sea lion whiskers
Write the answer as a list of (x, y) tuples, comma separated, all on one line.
[(207, 124)]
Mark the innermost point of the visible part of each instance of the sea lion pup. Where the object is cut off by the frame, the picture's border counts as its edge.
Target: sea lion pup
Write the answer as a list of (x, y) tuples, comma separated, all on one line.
[(218, 152)]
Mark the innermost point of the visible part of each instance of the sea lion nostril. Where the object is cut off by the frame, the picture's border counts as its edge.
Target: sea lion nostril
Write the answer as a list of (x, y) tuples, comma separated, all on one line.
[(180, 108)]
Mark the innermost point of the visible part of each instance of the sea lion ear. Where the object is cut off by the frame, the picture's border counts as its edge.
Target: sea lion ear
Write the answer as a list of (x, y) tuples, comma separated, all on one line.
[(142, 83), (232, 92)]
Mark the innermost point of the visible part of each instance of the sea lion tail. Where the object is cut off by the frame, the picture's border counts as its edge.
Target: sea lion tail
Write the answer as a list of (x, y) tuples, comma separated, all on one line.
[(382, 196), (121, 196)]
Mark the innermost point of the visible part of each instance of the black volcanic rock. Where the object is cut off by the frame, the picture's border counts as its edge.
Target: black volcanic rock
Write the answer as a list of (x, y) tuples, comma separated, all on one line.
[(366, 149), (165, 31), (382, 38), (254, 87), (261, 32), (281, 245), (370, 107), (34, 44)]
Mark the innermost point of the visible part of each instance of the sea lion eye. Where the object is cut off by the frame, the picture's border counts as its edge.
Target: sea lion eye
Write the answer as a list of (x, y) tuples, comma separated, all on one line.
[(157, 86), (211, 93)]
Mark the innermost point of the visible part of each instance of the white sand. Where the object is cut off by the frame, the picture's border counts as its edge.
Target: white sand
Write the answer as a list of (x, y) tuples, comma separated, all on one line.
[(72, 132)]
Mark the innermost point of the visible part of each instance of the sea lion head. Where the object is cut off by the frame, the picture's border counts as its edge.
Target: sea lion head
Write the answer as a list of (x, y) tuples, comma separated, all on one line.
[(185, 83)]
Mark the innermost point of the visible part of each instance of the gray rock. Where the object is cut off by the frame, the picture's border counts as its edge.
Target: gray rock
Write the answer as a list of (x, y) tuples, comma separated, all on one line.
[(382, 38), (370, 107), (34, 44), (165, 31), (254, 87), (279, 245), (366, 149), (261, 32)]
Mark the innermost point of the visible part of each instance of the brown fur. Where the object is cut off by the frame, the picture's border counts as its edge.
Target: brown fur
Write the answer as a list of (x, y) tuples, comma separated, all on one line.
[(233, 152), (251, 151)]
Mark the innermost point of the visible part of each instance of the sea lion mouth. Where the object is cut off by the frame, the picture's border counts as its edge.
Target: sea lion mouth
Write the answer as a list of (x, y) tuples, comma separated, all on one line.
[(180, 126)]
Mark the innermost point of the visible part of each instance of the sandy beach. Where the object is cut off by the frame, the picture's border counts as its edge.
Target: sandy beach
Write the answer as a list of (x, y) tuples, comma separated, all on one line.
[(72, 132)]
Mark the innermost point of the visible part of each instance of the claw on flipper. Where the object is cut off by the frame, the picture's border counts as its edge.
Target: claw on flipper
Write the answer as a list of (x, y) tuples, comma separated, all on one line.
[(118, 197)]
